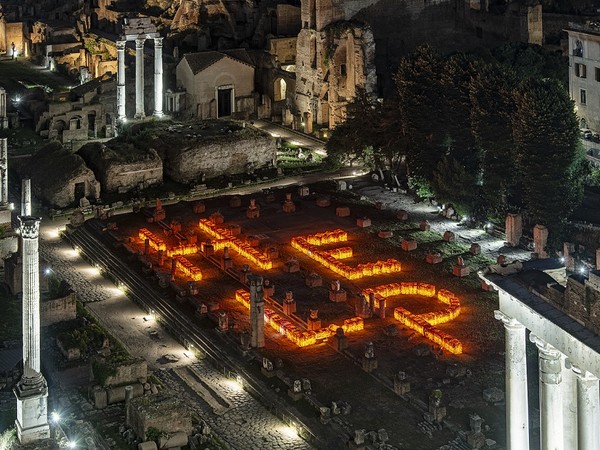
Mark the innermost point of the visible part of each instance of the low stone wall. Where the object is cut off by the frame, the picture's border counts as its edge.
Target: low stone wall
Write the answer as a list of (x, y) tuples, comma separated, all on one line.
[(165, 413), (118, 175), (133, 372), (58, 310)]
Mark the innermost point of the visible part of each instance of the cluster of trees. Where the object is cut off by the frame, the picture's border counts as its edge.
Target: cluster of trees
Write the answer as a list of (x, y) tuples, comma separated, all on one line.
[(475, 133)]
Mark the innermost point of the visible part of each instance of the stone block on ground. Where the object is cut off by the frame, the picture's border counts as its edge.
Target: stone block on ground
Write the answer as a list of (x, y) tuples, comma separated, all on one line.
[(342, 211), (424, 225), (323, 202), (460, 270), (291, 266), (198, 207), (475, 249), (303, 191), (235, 201), (363, 222), (408, 245), (402, 215), (433, 258), (449, 236), (385, 234)]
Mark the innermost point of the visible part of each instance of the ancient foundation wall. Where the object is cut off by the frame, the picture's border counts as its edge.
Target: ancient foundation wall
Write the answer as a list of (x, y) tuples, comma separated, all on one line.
[(58, 310), (218, 157)]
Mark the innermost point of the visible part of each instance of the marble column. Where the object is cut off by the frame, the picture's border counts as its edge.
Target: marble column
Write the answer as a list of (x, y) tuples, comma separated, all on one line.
[(588, 410), (551, 408), (517, 411), (4, 171), (569, 396), (32, 390), (121, 94), (3, 103), (25, 197), (158, 77), (139, 78)]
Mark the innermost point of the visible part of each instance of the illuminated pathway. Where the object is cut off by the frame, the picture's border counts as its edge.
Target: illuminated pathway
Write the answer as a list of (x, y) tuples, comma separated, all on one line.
[(245, 425)]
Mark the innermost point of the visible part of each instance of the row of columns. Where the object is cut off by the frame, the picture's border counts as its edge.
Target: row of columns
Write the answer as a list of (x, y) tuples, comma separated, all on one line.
[(569, 396), (139, 78)]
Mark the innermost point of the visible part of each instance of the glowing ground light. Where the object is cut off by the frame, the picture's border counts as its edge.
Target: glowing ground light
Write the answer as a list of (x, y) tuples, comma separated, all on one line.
[(183, 265), (292, 332), (309, 245), (227, 239), (424, 324), (155, 242)]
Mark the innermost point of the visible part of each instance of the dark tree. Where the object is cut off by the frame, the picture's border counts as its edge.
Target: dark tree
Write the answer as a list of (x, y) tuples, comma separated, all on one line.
[(549, 157)]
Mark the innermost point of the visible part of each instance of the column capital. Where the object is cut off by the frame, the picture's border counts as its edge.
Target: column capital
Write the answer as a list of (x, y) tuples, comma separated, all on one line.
[(121, 45), (509, 322), (158, 42), (30, 227), (549, 361), (139, 43), (580, 373)]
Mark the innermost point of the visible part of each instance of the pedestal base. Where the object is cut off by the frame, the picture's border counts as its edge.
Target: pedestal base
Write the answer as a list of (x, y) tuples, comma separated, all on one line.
[(5, 216), (369, 364), (268, 373), (32, 413), (337, 296), (314, 324), (294, 395), (408, 245), (460, 271)]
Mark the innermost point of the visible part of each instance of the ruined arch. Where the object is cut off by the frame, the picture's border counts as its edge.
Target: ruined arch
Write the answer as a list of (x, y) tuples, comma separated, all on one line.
[(279, 89)]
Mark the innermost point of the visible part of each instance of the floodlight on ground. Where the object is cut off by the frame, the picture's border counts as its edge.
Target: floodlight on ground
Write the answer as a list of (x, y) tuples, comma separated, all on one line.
[(289, 431), (582, 270), (562, 259), (72, 444), (48, 271), (55, 416)]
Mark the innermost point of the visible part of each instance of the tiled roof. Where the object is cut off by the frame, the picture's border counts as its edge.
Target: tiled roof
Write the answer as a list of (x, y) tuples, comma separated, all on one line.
[(202, 60)]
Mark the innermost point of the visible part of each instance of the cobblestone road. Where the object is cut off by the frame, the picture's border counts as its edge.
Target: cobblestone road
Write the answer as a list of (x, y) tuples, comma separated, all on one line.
[(246, 424)]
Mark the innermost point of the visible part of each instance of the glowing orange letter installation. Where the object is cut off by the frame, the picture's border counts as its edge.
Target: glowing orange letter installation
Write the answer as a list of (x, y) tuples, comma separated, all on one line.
[(295, 334), (309, 245), (424, 324), (226, 239)]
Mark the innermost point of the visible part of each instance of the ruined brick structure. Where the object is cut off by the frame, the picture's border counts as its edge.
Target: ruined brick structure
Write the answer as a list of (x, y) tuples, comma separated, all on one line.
[(358, 43)]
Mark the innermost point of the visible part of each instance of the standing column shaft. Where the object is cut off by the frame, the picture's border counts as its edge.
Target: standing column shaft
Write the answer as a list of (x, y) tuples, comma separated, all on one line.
[(517, 411), (121, 115), (31, 296), (139, 78), (4, 170), (588, 410), (158, 77), (569, 396), (25, 197), (551, 408)]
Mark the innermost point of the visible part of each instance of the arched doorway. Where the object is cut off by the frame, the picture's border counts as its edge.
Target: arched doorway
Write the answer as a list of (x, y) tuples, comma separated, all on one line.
[(279, 89)]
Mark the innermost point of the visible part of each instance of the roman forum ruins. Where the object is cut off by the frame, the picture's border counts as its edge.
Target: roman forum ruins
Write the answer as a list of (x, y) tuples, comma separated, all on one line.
[(139, 30)]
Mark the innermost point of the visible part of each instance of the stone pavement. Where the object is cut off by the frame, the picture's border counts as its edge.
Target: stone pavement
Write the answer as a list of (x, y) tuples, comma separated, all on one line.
[(246, 424)]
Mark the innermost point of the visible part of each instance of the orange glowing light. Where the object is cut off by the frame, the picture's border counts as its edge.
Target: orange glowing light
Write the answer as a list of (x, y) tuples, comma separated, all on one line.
[(301, 338), (155, 242), (184, 249), (423, 324), (227, 239), (187, 268), (309, 245)]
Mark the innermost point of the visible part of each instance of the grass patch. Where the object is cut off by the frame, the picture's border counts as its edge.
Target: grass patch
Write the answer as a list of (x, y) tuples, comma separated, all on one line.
[(18, 76)]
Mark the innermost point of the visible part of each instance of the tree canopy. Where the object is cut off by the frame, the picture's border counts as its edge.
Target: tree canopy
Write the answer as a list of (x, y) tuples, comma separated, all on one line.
[(486, 136)]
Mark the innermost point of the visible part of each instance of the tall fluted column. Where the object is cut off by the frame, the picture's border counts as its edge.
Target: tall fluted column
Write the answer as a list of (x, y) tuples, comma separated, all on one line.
[(139, 78), (31, 391), (517, 412), (25, 197), (588, 410), (158, 77), (551, 408), (31, 296), (569, 396), (121, 94), (4, 171)]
